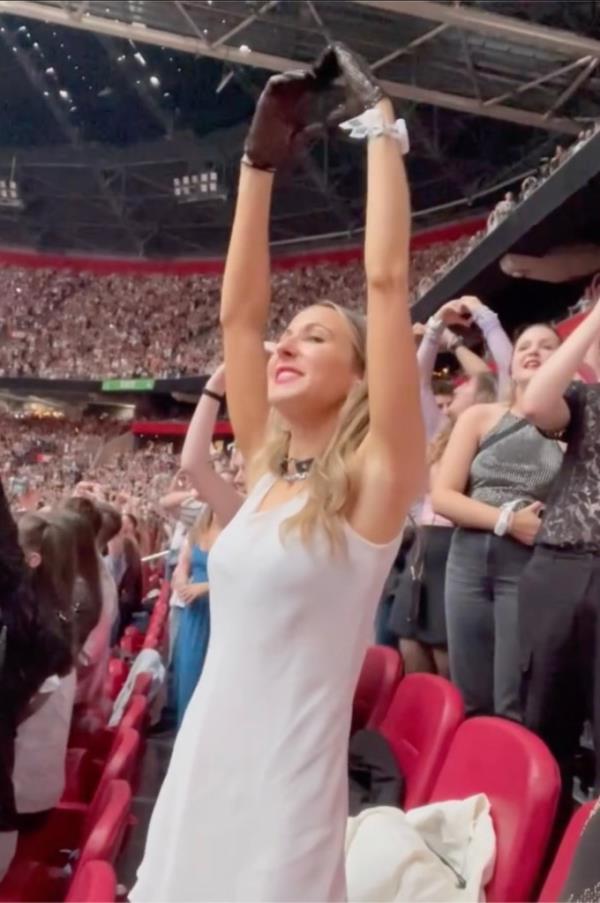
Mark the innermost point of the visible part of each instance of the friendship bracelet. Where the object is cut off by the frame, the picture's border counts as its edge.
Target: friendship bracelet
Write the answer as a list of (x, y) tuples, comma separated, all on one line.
[(370, 124), (214, 395)]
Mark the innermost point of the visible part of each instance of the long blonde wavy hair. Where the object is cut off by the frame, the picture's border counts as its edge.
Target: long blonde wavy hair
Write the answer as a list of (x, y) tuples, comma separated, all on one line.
[(329, 484)]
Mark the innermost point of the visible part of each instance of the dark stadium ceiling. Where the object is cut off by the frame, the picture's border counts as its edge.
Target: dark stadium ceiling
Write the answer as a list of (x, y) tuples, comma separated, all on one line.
[(104, 104)]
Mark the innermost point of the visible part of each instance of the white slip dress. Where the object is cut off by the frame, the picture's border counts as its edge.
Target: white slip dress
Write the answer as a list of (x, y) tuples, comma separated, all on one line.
[(255, 801)]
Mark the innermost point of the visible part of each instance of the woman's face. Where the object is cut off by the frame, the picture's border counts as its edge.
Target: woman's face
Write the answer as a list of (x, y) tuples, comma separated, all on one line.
[(313, 366), (531, 349)]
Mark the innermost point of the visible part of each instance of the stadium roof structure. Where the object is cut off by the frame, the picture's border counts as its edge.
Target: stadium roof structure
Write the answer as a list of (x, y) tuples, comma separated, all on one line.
[(105, 104)]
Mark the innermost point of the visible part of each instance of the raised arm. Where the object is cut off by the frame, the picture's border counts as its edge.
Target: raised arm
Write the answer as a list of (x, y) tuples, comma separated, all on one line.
[(396, 434), (470, 362), (174, 499), (279, 121), (427, 353), (244, 309), (543, 401), (498, 343), (220, 495)]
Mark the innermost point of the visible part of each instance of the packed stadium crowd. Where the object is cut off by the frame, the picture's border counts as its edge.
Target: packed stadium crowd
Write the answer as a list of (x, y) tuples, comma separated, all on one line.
[(454, 522), (58, 323)]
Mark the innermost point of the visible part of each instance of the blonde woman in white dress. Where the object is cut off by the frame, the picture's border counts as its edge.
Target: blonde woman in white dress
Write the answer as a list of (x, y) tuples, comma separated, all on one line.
[(254, 805)]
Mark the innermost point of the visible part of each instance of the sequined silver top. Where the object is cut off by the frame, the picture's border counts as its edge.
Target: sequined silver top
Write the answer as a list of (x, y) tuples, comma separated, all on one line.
[(514, 462)]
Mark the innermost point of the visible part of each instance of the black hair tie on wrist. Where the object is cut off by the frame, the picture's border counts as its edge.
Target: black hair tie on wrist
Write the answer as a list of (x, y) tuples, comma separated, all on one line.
[(214, 395)]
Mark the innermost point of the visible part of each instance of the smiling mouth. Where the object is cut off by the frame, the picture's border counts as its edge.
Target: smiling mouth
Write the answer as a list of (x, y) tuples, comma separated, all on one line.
[(529, 365), (286, 375)]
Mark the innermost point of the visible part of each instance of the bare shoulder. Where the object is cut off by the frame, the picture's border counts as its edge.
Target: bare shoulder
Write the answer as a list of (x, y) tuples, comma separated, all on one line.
[(481, 418)]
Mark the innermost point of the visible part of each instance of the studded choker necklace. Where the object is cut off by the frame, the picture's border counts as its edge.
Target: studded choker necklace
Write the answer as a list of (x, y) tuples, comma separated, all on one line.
[(293, 470)]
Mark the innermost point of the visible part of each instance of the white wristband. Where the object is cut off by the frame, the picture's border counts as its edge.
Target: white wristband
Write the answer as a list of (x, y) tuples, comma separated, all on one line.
[(503, 522), (370, 124), (507, 510)]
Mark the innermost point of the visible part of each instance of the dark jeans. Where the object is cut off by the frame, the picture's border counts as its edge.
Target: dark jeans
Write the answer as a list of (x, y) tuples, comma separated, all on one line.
[(482, 604), (560, 636)]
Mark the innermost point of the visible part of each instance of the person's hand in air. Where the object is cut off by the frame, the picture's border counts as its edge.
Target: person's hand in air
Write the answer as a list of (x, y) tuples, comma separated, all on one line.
[(282, 117), (363, 91), (455, 313)]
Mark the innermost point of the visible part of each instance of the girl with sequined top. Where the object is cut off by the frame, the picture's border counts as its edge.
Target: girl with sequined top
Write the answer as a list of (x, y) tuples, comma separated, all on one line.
[(492, 482)]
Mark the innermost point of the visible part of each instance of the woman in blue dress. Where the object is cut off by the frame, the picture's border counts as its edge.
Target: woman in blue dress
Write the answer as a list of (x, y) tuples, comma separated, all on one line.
[(190, 580)]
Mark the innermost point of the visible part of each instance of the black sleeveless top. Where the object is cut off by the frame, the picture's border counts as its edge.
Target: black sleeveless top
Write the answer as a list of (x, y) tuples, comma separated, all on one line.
[(572, 517)]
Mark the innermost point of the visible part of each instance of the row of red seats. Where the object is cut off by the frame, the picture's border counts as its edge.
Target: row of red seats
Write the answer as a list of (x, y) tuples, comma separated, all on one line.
[(443, 757), (71, 856), (134, 639)]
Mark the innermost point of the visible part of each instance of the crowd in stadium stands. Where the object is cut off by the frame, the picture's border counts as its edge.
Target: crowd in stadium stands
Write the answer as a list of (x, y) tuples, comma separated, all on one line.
[(43, 460), (469, 589), (58, 323)]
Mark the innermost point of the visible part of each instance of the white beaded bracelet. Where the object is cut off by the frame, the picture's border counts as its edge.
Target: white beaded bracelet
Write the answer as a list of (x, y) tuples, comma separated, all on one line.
[(370, 124)]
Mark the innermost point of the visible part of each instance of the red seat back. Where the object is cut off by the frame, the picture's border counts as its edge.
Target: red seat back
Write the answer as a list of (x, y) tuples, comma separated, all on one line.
[(381, 671), (142, 684), (123, 758), (117, 675), (559, 870), (419, 726), (119, 766), (105, 824), (95, 882), (136, 713), (521, 779)]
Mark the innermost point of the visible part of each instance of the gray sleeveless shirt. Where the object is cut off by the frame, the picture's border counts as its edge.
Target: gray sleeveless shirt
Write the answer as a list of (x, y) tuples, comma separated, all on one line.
[(514, 462)]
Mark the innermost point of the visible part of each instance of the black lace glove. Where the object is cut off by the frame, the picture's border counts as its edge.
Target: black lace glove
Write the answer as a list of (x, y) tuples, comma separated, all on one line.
[(363, 91), (282, 116)]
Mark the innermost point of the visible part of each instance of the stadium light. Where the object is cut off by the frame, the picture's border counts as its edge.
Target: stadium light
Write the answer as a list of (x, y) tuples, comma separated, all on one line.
[(198, 186), (9, 194)]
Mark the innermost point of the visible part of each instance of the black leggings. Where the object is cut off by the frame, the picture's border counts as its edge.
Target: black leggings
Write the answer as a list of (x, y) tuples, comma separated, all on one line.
[(559, 609)]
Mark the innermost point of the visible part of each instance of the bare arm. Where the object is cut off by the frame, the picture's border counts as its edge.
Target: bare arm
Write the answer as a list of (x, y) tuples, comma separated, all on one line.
[(244, 309), (220, 495), (470, 362), (181, 574), (543, 402), (449, 496), (175, 499), (450, 483), (393, 459), (427, 353)]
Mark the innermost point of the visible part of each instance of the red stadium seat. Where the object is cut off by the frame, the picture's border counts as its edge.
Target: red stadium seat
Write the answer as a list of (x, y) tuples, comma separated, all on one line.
[(131, 641), (120, 765), (381, 671), (71, 833), (117, 675), (142, 684), (559, 871), (521, 779), (96, 882), (419, 726), (101, 744)]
